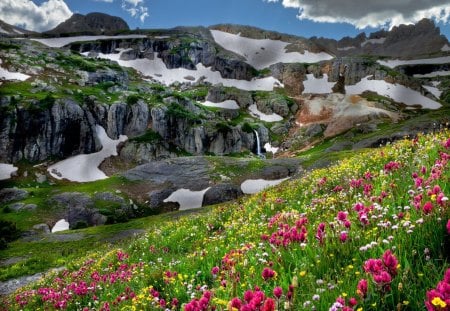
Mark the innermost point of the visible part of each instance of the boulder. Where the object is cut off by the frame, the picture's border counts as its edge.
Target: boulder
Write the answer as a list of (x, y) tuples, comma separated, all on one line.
[(12, 194), (221, 193)]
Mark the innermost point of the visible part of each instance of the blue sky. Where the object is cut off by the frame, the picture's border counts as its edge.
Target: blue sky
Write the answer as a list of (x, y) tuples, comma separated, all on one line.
[(324, 20)]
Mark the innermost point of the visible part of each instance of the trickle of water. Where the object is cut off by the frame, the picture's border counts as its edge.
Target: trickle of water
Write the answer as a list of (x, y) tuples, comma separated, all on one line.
[(258, 144)]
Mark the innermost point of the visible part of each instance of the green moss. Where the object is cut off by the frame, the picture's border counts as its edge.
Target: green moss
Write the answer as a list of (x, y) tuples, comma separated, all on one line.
[(150, 136), (178, 111)]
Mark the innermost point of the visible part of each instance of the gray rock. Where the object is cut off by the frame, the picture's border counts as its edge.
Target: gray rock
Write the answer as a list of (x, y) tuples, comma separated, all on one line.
[(314, 130), (43, 228), (12, 194), (221, 193)]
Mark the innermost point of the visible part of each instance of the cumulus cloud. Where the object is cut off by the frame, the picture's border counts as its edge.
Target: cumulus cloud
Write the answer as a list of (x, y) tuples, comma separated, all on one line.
[(26, 14), (364, 14), (136, 8)]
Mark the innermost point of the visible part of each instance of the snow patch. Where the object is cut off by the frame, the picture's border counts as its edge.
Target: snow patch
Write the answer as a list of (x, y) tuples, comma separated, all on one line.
[(269, 148), (7, 170), (397, 62), (251, 186), (187, 199), (157, 70), (8, 75), (262, 116), (433, 90), (61, 225), (397, 92), (60, 42), (261, 53), (317, 86), (346, 48), (445, 48), (84, 167), (227, 104), (433, 74), (373, 41)]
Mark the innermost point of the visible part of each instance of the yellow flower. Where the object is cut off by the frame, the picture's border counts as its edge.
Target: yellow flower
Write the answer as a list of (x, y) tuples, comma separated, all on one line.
[(302, 273), (438, 302)]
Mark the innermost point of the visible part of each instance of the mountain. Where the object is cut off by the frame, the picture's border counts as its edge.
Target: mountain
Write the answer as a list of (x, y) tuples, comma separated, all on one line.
[(92, 23), (10, 30), (404, 41)]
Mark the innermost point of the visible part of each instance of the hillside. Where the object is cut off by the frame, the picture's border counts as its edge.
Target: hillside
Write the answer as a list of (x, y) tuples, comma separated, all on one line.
[(120, 150), (380, 216)]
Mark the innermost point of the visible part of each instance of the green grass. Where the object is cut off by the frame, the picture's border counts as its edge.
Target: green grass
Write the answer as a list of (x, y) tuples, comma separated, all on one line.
[(243, 239)]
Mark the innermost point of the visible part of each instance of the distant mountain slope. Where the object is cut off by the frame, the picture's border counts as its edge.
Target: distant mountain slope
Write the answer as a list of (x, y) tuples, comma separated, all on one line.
[(10, 30), (92, 23), (404, 41)]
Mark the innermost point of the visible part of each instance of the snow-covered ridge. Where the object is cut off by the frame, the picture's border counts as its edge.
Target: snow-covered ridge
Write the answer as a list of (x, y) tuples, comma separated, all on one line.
[(373, 41), (157, 70), (445, 48), (261, 53), (392, 63), (84, 167), (60, 42), (397, 92)]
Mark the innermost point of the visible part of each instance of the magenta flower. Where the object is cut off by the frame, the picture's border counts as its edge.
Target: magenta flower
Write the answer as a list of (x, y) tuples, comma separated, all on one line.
[(427, 207), (343, 236), (277, 292), (362, 288), (448, 226), (268, 274), (215, 271)]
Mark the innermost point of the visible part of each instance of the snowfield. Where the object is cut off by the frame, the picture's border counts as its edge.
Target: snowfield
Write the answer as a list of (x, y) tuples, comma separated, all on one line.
[(251, 186), (157, 70), (397, 92), (433, 90), (261, 53), (262, 116), (269, 148), (433, 74), (84, 167), (60, 42), (8, 75), (187, 199), (227, 104), (397, 62), (317, 86), (6, 171)]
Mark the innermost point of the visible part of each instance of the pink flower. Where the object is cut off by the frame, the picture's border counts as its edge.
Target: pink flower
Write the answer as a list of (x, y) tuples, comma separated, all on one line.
[(267, 274), (236, 303), (215, 270), (277, 292), (342, 216), (427, 207), (391, 262), (361, 288), (269, 305), (448, 227), (343, 237)]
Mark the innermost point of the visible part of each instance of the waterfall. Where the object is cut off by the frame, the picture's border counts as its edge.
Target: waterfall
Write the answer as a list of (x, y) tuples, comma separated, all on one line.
[(258, 144)]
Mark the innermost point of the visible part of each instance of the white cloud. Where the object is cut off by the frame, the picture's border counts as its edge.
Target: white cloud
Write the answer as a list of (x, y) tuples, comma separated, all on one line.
[(136, 8), (108, 1), (26, 14), (364, 14)]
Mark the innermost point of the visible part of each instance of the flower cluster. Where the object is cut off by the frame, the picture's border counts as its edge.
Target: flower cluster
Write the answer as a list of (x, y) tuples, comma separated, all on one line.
[(438, 299)]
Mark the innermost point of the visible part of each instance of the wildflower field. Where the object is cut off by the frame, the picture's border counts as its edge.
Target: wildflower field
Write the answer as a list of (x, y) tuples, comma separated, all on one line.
[(369, 233)]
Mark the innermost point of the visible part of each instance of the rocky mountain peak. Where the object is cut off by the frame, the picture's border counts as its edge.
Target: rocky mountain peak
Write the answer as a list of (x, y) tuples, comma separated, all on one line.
[(92, 23)]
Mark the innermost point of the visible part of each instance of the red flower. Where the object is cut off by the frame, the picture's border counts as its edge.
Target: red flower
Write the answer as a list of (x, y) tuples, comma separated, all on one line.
[(448, 227), (361, 288), (427, 207), (277, 292), (269, 305), (267, 274)]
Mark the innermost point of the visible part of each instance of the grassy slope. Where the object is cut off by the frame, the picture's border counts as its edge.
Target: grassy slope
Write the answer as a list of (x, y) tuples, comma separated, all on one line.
[(175, 257)]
